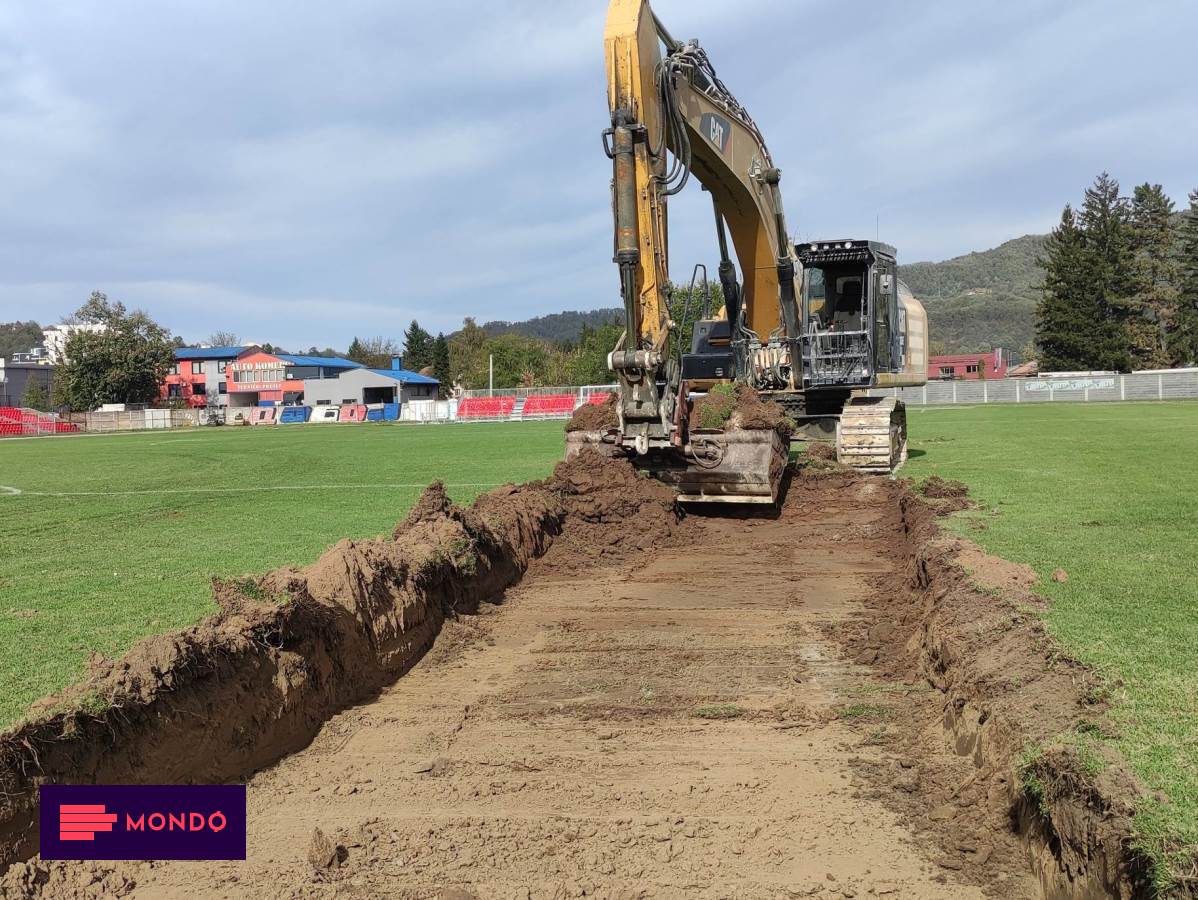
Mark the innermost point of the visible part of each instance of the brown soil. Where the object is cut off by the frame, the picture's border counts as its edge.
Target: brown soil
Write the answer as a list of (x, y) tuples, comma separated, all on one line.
[(595, 416), (821, 451), (814, 702)]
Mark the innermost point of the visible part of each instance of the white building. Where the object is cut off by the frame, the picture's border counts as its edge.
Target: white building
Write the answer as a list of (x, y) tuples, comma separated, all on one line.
[(55, 338)]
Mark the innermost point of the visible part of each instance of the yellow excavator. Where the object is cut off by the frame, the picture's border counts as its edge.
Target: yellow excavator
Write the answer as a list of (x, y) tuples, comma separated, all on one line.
[(811, 326)]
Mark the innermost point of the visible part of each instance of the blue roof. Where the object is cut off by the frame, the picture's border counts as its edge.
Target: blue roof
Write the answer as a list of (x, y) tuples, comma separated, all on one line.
[(405, 376), (209, 352), (328, 362)]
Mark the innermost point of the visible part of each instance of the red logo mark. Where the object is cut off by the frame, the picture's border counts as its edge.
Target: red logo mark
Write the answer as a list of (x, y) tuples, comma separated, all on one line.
[(81, 821)]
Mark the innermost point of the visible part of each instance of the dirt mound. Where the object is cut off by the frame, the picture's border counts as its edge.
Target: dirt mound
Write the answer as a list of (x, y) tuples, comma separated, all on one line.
[(941, 488), (288, 649), (611, 511), (822, 451), (946, 495), (739, 406), (595, 416)]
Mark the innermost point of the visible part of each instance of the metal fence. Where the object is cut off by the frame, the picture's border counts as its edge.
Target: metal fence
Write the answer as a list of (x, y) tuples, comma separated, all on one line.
[(1176, 384)]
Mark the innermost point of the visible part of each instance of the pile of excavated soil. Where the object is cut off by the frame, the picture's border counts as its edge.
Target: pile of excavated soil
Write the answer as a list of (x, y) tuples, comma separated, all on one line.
[(595, 416), (947, 494), (612, 512), (739, 406), (822, 451), (256, 680)]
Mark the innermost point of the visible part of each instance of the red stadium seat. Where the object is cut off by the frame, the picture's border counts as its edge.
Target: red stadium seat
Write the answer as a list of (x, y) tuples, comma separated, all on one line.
[(598, 399), (549, 405), (486, 407)]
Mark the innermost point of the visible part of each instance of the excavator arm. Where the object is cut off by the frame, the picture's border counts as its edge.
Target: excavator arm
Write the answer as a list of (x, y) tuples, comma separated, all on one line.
[(673, 101)]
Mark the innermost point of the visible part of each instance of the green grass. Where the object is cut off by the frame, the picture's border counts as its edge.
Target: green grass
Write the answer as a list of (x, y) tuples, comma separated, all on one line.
[(718, 711), (104, 566), (1109, 493)]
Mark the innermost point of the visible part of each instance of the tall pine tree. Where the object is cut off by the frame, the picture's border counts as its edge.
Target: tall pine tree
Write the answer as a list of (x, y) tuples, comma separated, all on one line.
[(1064, 312), (417, 348), (1153, 302), (1183, 335), (441, 370), (1108, 257), (357, 352)]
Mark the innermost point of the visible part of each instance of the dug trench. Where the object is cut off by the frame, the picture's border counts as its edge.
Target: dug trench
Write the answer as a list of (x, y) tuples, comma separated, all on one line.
[(620, 701)]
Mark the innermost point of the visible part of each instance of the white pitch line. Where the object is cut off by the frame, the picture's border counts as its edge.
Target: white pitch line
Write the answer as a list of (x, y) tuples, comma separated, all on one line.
[(7, 491), (242, 490)]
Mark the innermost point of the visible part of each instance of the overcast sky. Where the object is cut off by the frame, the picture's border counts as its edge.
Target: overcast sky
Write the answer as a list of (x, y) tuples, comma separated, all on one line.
[(304, 172)]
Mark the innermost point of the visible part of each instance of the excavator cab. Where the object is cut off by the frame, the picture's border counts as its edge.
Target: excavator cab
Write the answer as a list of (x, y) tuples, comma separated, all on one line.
[(849, 301)]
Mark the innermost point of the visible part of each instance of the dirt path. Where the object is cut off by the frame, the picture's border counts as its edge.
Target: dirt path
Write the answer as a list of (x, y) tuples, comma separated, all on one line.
[(680, 728)]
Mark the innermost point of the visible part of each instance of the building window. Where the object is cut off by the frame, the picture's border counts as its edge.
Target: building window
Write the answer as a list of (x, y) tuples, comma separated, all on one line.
[(197, 368), (173, 370), (971, 370), (946, 371), (174, 390), (349, 402), (222, 366), (222, 388)]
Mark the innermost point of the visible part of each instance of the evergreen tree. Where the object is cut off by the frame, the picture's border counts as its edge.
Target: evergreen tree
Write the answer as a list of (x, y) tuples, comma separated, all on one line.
[(1153, 303), (1064, 313), (35, 396), (1183, 335), (418, 348), (1108, 260), (441, 369), (357, 352)]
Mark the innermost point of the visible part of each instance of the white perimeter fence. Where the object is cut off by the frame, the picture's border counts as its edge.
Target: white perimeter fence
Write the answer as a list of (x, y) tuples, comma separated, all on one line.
[(1176, 384)]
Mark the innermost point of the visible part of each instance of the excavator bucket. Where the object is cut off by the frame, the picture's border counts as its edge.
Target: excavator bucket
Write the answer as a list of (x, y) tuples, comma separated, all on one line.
[(743, 466)]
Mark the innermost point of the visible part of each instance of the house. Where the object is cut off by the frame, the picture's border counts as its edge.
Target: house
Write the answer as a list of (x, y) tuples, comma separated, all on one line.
[(198, 375), (16, 377), (257, 378), (393, 385), (968, 366)]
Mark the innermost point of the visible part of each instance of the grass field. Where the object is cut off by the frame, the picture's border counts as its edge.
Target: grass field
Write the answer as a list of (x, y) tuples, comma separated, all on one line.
[(1109, 493), (116, 537), (113, 538)]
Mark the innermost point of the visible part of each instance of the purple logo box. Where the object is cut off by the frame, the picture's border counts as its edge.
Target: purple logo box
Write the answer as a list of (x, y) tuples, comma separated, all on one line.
[(143, 821)]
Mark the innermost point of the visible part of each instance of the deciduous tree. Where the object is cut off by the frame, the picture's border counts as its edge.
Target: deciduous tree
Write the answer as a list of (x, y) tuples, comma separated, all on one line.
[(124, 362)]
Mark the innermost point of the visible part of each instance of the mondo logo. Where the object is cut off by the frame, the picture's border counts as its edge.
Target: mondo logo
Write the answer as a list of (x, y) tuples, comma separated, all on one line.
[(143, 821)]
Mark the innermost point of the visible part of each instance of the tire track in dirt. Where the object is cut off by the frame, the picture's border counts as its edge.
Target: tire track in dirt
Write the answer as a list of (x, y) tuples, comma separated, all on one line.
[(682, 726)]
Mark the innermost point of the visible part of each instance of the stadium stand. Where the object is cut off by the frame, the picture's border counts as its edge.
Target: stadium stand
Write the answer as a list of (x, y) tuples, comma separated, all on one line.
[(18, 421), (598, 398), (486, 407), (548, 405)]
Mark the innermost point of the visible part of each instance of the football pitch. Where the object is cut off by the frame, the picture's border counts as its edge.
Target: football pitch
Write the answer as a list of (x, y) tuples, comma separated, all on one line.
[(104, 540)]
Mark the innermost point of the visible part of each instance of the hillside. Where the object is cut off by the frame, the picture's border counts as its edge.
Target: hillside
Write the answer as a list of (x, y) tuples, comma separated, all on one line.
[(975, 302), (556, 327), (19, 337), (981, 300)]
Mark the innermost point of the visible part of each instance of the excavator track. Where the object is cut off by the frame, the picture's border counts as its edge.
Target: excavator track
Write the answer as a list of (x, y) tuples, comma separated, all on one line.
[(871, 435)]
